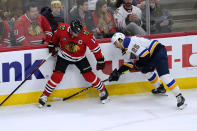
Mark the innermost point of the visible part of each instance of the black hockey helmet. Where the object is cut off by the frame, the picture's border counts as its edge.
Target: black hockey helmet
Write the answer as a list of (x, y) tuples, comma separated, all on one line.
[(76, 26)]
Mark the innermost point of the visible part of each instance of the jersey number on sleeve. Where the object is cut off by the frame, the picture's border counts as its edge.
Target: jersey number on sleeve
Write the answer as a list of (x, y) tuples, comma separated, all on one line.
[(135, 48)]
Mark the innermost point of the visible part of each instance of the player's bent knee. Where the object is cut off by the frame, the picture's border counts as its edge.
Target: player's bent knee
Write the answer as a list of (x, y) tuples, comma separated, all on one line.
[(89, 76), (57, 77)]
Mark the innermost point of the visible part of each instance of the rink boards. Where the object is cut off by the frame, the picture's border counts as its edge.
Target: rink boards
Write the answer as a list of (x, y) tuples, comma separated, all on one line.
[(17, 63)]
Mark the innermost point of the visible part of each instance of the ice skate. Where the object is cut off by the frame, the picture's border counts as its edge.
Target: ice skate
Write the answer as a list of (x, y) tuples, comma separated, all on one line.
[(42, 101), (104, 96), (160, 90), (180, 102)]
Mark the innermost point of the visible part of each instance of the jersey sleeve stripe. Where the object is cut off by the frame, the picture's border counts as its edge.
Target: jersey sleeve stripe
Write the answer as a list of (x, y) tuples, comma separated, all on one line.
[(152, 46), (129, 64), (48, 33), (96, 49), (6, 41), (144, 53), (20, 39)]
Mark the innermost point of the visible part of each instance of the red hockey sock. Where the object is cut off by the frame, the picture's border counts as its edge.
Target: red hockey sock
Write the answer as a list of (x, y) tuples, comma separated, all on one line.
[(94, 80), (53, 82)]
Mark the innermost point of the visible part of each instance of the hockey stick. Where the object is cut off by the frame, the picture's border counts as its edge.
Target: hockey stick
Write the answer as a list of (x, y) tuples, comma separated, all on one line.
[(66, 98), (43, 61)]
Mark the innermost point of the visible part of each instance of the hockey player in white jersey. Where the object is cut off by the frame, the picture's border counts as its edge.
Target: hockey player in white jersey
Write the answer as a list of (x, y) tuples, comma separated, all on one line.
[(148, 55)]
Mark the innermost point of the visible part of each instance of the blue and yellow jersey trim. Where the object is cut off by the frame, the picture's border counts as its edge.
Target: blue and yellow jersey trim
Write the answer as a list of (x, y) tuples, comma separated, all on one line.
[(154, 78), (144, 53), (129, 64), (126, 43), (152, 46), (172, 84)]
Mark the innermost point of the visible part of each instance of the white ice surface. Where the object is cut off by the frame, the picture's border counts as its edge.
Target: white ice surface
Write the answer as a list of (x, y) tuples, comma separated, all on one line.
[(141, 112)]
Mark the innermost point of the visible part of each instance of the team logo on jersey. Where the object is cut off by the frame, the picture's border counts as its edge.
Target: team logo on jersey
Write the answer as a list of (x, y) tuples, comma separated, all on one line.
[(62, 27), (80, 42), (86, 32), (72, 47), (34, 29)]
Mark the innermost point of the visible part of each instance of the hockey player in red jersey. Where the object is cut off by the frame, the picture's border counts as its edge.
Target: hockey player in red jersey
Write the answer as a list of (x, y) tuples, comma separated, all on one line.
[(73, 40)]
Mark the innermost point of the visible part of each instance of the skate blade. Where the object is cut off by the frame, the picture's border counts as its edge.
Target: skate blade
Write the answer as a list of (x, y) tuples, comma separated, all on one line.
[(161, 94), (182, 107), (105, 101), (40, 106)]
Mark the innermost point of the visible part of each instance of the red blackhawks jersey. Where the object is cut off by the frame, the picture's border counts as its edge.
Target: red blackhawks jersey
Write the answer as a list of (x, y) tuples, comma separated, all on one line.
[(32, 32), (73, 49), (4, 37)]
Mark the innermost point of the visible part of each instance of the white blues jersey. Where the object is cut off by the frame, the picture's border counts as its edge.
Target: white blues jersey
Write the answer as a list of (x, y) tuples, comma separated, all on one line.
[(136, 47)]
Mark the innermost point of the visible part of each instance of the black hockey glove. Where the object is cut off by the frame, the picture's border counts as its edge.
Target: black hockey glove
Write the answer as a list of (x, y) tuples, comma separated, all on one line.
[(114, 76), (100, 64), (143, 61), (52, 48), (138, 66)]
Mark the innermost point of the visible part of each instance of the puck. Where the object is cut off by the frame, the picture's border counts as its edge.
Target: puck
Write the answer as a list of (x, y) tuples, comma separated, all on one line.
[(48, 105)]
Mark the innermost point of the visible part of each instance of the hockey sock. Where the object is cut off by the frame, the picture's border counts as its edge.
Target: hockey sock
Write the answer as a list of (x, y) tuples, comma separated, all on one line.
[(94, 80), (53, 82), (171, 83), (153, 78)]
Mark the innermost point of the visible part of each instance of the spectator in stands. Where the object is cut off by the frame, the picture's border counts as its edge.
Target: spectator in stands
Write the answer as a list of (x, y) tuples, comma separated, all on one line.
[(56, 7), (119, 3), (84, 15), (128, 19), (32, 28), (54, 14), (160, 19), (141, 4), (4, 31), (103, 20), (39, 3), (92, 5), (112, 4)]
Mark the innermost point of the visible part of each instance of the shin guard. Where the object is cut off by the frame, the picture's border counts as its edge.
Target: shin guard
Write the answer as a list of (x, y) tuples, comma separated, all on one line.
[(171, 83), (153, 78), (94, 80), (53, 82)]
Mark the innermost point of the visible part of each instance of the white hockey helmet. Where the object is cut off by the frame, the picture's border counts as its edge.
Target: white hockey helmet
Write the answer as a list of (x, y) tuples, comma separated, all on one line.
[(117, 36)]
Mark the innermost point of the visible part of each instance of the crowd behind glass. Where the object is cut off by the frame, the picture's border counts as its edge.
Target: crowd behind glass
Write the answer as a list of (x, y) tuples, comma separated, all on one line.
[(32, 22)]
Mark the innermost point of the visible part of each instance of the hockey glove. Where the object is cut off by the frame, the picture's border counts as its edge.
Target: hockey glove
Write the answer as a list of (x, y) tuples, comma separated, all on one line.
[(114, 76), (52, 48), (143, 61), (100, 64), (138, 66)]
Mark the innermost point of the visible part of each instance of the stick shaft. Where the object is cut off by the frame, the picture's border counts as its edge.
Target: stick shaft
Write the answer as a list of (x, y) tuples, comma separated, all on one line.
[(66, 98), (25, 80)]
